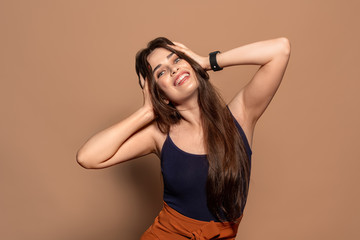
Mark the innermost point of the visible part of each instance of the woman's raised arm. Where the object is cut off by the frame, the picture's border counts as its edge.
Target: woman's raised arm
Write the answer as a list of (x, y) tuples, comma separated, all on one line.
[(273, 56), (252, 100), (130, 138)]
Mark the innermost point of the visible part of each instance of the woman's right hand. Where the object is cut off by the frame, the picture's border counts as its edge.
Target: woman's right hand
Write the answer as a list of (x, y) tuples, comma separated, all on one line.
[(202, 61), (130, 138), (147, 105)]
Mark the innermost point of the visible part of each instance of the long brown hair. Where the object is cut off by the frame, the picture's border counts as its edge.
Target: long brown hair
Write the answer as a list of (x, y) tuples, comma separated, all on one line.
[(229, 170)]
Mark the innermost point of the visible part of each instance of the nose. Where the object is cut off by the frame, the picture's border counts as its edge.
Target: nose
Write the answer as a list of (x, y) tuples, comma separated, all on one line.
[(174, 69)]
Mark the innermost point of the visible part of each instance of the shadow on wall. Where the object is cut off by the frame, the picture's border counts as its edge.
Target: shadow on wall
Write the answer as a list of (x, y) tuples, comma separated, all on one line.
[(144, 177)]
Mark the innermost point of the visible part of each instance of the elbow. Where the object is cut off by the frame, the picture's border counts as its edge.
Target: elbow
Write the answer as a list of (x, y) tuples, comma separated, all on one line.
[(284, 45), (84, 162)]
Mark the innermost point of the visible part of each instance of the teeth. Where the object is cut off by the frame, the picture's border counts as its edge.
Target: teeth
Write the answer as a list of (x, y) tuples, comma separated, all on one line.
[(181, 78)]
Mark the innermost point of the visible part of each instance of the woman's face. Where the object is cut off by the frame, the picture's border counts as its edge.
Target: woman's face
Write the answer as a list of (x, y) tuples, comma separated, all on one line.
[(174, 76)]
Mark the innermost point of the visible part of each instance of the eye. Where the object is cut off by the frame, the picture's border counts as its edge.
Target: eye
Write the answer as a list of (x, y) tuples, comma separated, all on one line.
[(177, 60), (160, 73)]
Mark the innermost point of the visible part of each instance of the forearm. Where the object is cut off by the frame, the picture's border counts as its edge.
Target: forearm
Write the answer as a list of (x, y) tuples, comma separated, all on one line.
[(258, 53), (104, 144)]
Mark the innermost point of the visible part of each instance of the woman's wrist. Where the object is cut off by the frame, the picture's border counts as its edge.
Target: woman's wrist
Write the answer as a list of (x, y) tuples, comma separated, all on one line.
[(147, 113), (206, 64)]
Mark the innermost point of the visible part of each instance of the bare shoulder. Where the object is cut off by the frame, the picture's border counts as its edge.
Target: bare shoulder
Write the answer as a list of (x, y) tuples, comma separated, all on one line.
[(158, 136)]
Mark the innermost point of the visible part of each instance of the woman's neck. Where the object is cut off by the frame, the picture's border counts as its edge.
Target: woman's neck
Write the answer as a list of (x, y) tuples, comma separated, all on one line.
[(191, 113)]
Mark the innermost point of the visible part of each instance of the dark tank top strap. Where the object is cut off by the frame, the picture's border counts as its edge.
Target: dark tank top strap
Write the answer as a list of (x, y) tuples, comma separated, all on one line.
[(242, 133), (165, 145)]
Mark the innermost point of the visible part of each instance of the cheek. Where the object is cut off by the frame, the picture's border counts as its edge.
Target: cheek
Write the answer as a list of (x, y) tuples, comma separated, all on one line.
[(164, 89), (160, 85), (164, 83)]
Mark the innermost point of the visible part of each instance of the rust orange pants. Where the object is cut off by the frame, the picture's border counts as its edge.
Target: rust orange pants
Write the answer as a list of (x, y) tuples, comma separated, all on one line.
[(171, 225)]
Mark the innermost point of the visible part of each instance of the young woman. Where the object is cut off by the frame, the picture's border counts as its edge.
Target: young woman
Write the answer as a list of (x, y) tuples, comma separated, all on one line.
[(204, 145)]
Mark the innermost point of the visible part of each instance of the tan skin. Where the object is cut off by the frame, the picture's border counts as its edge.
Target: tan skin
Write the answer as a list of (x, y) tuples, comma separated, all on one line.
[(138, 134)]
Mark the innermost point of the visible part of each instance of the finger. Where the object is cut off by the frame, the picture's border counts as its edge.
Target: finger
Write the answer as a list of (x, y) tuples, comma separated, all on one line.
[(178, 48), (141, 81), (182, 49), (146, 84), (180, 45)]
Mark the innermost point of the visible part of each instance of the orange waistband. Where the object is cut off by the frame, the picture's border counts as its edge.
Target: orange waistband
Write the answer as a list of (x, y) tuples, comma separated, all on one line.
[(171, 224)]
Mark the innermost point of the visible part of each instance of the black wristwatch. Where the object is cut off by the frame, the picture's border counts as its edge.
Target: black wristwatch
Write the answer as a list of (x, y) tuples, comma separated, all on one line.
[(213, 63)]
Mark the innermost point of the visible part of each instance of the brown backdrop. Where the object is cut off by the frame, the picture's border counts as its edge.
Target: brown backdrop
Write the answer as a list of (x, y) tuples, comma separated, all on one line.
[(67, 71)]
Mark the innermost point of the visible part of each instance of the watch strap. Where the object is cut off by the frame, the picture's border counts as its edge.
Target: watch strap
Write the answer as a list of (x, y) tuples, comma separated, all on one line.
[(213, 63)]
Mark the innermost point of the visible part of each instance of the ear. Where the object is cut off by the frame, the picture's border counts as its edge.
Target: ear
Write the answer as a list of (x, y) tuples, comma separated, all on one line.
[(166, 100)]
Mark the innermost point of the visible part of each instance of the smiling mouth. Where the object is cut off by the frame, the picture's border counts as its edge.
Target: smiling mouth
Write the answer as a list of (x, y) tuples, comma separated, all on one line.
[(182, 78)]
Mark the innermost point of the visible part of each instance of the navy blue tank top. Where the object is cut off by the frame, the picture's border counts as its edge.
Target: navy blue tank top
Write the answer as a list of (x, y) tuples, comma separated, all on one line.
[(185, 176)]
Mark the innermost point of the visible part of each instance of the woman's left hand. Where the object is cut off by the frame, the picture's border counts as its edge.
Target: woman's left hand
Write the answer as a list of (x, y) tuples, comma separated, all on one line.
[(202, 61)]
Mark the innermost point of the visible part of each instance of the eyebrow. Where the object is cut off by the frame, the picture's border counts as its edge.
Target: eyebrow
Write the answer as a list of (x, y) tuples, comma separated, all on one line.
[(168, 56)]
